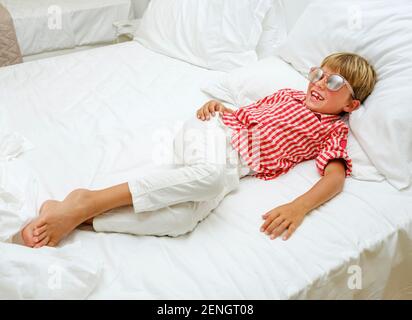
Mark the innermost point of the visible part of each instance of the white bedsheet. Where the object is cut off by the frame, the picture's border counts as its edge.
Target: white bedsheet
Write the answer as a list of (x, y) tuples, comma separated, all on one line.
[(82, 22), (97, 118)]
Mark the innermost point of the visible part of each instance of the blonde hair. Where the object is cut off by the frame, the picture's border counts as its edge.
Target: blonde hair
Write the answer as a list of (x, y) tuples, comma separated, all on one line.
[(354, 68)]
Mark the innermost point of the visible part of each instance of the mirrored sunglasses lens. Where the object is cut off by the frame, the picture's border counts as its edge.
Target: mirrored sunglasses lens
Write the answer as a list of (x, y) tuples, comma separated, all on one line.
[(335, 82), (315, 75)]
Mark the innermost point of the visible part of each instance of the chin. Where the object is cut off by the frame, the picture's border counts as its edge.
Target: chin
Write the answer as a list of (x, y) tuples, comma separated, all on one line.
[(312, 106)]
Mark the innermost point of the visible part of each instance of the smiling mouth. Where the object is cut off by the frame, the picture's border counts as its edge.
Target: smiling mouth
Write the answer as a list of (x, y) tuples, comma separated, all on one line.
[(316, 95)]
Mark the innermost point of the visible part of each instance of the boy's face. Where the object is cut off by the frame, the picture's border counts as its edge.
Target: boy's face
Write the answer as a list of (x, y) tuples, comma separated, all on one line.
[(320, 99)]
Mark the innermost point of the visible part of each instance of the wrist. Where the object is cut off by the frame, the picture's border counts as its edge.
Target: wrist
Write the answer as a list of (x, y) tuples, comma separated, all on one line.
[(302, 205), (227, 110)]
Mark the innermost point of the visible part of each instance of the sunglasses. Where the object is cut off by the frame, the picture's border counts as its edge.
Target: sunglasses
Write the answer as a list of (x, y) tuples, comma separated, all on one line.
[(334, 82)]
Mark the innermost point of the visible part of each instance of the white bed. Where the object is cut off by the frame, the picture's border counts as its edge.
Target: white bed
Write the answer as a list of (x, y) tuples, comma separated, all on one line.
[(97, 117), (51, 25)]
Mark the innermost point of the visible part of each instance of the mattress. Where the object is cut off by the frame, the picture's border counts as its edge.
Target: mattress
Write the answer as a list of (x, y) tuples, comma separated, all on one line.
[(46, 25), (103, 116)]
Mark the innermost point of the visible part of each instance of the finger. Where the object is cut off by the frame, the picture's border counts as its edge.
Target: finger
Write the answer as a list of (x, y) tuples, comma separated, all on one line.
[(275, 212), (264, 216), (201, 114), (289, 232), (279, 230), (43, 243), (267, 222), (206, 104), (207, 111), (211, 108), (265, 225), (40, 237), (269, 216), (275, 223), (38, 231)]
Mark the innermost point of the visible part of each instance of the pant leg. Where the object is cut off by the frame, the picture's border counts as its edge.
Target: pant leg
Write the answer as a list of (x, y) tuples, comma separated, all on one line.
[(170, 221), (202, 173), (200, 182), (172, 202)]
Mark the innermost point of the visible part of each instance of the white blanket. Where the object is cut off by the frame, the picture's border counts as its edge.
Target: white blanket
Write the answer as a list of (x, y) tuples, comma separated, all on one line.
[(67, 273), (100, 117)]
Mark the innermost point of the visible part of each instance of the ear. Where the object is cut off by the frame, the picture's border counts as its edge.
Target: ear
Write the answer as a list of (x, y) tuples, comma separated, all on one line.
[(352, 106)]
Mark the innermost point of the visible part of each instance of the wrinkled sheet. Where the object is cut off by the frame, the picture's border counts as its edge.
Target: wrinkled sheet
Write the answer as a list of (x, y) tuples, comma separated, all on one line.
[(103, 116), (48, 273)]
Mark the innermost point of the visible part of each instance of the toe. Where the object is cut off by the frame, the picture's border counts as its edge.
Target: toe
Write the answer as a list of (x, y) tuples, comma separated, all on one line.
[(39, 231), (40, 223), (51, 243), (40, 237), (43, 242), (27, 236)]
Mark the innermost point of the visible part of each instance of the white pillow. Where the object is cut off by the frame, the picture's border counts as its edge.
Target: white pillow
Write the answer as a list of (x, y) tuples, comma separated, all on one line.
[(214, 34), (274, 30), (362, 167), (382, 34), (249, 84)]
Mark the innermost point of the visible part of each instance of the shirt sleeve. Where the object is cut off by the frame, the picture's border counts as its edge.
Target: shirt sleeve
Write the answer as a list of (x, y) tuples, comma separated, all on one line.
[(334, 148)]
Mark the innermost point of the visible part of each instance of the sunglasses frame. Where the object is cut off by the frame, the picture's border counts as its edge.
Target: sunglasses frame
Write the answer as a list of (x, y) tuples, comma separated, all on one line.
[(345, 82)]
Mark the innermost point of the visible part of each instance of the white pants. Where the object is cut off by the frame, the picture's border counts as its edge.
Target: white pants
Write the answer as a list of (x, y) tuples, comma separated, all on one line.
[(173, 202)]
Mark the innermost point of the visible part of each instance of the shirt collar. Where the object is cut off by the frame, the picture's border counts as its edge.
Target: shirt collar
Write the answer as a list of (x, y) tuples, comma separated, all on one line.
[(327, 117)]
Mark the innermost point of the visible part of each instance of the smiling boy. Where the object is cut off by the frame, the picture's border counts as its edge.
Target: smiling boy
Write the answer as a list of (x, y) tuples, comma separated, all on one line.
[(264, 140)]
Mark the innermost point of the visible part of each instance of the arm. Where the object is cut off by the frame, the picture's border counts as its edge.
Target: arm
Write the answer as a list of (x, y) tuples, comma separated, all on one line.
[(213, 106), (289, 216), (326, 188)]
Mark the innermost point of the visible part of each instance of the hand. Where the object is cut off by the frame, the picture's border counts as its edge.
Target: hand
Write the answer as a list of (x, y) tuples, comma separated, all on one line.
[(283, 218), (210, 108)]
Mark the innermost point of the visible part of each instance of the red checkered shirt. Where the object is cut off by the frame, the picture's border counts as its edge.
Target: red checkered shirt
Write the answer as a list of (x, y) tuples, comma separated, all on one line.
[(279, 131)]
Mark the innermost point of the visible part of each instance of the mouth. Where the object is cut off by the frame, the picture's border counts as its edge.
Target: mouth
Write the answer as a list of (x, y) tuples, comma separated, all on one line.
[(316, 96)]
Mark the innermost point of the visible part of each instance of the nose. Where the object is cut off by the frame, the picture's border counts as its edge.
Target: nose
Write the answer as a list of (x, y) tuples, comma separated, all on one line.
[(321, 83)]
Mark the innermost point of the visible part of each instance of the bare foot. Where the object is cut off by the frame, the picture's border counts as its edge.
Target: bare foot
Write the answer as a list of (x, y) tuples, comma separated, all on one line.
[(27, 234), (59, 218)]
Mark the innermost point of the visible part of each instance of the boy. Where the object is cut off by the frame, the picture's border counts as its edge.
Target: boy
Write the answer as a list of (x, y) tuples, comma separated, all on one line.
[(264, 139)]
